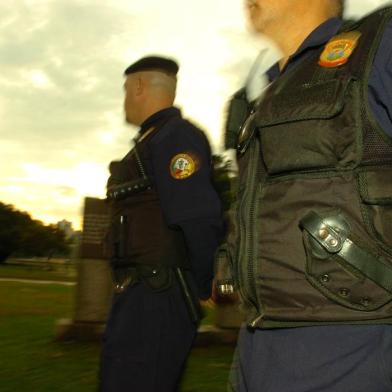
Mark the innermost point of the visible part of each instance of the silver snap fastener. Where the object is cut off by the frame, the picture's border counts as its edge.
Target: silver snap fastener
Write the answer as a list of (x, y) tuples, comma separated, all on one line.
[(333, 242), (365, 301), (325, 278), (344, 292), (323, 233)]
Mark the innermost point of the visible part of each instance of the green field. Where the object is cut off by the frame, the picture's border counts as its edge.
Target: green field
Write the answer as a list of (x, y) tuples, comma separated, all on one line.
[(38, 270), (30, 359)]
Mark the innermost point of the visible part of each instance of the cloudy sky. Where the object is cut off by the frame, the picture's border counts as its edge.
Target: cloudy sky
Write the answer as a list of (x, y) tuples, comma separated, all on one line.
[(61, 64)]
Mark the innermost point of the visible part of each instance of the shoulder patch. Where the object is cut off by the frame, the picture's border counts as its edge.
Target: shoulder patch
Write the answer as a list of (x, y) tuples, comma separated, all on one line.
[(182, 166), (339, 49)]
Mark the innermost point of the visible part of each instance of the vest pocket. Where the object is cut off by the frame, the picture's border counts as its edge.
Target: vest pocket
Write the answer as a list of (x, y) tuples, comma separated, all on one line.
[(317, 131), (376, 193), (343, 264)]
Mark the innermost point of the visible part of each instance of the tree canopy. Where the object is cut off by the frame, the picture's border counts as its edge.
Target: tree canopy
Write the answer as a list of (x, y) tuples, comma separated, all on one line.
[(21, 235)]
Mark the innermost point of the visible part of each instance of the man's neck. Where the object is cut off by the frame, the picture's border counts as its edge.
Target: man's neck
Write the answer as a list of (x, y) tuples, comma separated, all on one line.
[(152, 108), (297, 33)]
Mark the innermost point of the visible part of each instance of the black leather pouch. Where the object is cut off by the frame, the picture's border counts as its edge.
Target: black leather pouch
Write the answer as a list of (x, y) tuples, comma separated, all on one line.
[(157, 278)]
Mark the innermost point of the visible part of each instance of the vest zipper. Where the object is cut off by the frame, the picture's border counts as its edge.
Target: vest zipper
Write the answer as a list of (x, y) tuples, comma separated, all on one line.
[(246, 216)]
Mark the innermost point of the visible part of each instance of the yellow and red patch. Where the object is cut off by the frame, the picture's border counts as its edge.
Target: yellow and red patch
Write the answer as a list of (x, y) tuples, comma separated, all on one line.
[(339, 49), (182, 166)]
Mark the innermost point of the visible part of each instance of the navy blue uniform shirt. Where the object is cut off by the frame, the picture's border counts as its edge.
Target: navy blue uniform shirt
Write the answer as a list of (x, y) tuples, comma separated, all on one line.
[(190, 203), (380, 81)]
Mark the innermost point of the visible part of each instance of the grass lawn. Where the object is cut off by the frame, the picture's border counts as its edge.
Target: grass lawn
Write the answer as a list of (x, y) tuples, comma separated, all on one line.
[(38, 271), (31, 361)]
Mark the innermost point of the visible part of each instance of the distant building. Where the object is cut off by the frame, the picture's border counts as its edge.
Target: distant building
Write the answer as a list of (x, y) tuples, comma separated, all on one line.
[(66, 227)]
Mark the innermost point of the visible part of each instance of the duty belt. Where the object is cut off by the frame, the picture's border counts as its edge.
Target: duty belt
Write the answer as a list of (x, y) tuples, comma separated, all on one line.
[(124, 277), (158, 278)]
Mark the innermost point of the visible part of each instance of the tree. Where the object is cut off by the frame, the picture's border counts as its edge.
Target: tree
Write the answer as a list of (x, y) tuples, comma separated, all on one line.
[(24, 236)]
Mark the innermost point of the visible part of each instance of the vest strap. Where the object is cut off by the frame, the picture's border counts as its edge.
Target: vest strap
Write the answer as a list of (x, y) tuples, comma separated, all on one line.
[(337, 243), (126, 189)]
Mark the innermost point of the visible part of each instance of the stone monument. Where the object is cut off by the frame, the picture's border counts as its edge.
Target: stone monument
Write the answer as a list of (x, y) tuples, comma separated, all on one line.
[(94, 284)]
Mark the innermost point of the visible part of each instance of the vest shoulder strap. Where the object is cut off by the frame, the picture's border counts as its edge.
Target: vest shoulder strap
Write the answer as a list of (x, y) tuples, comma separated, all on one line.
[(372, 28)]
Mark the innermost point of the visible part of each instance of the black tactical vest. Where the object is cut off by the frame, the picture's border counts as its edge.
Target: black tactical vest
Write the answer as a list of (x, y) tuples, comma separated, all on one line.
[(312, 240), (138, 232)]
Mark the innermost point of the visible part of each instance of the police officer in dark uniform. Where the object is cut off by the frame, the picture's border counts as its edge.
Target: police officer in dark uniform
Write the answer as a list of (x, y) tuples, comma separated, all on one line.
[(165, 226), (311, 244)]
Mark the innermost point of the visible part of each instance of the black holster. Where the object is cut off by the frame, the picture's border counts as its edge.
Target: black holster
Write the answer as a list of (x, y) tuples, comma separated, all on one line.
[(189, 293)]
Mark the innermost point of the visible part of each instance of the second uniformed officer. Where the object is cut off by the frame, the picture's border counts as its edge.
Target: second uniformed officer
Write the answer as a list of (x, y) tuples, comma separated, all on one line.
[(165, 226), (311, 238)]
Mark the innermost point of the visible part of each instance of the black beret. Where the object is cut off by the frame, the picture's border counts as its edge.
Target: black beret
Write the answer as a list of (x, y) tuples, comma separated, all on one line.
[(153, 63)]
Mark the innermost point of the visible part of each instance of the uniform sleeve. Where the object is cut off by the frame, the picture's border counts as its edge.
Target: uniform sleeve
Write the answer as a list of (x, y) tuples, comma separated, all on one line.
[(380, 82), (203, 237), (182, 174)]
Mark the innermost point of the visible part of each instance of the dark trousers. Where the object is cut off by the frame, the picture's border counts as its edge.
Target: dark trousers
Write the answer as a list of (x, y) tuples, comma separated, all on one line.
[(147, 339), (314, 359)]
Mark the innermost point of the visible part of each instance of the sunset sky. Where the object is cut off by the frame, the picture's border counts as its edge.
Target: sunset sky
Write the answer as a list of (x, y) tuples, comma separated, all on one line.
[(61, 65)]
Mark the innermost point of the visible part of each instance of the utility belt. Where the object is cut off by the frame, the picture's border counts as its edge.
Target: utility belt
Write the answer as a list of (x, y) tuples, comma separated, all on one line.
[(159, 278)]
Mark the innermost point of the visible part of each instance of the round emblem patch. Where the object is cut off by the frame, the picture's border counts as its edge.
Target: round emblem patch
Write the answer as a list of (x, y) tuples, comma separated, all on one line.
[(339, 49), (182, 166)]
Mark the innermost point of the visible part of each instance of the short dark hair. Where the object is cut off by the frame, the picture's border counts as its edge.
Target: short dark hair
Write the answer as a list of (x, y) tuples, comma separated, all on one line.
[(154, 63)]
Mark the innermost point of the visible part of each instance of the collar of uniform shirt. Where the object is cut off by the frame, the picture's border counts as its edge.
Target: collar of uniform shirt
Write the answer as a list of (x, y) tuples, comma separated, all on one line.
[(321, 35), (161, 115)]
